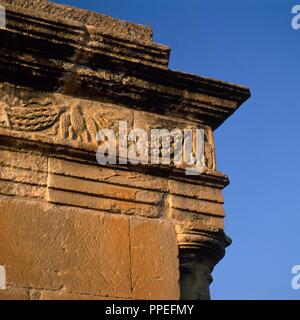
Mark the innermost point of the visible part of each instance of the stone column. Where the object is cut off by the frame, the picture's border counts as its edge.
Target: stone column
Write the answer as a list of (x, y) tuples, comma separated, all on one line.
[(69, 227)]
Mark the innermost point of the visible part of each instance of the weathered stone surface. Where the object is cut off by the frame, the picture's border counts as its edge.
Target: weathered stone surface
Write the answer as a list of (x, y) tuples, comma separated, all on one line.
[(11, 188), (52, 248), (23, 174), (109, 175), (195, 191), (198, 220), (14, 294), (69, 228), (195, 205), (69, 57), (92, 248), (96, 187), (103, 189), (110, 205), (195, 277), (61, 295), (106, 24), (155, 268), (23, 160), (58, 119), (85, 33)]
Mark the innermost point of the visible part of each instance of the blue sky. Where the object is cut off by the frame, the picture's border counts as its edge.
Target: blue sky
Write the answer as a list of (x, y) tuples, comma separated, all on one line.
[(249, 42)]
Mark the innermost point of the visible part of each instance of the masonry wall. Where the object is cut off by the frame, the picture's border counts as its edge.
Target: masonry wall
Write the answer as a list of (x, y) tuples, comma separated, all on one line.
[(56, 252), (69, 227)]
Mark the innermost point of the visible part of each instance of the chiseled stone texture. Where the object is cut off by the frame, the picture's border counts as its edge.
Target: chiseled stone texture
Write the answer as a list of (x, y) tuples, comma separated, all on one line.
[(14, 294), (52, 248), (122, 29), (155, 264), (113, 191), (65, 252), (62, 295)]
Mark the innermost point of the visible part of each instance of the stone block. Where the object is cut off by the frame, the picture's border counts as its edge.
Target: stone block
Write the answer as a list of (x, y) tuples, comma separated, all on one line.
[(154, 260), (197, 206), (50, 247), (61, 295), (14, 294), (105, 174), (104, 204), (195, 191)]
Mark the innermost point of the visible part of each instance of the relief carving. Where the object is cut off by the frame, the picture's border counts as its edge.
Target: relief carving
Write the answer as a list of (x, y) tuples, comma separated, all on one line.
[(210, 159), (71, 120), (79, 120)]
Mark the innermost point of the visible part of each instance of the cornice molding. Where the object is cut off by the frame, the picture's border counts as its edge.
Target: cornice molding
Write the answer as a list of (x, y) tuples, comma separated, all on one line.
[(60, 55), (47, 147), (105, 24)]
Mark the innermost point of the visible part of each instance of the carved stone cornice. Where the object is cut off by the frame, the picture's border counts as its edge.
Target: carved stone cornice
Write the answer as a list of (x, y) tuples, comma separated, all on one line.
[(105, 24), (67, 73), (66, 56), (46, 146)]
